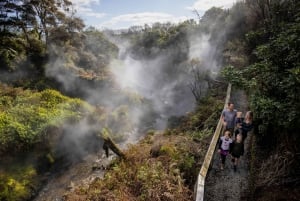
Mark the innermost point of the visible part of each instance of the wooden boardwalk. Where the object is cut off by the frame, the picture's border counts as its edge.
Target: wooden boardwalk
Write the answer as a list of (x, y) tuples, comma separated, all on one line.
[(200, 184), (227, 185)]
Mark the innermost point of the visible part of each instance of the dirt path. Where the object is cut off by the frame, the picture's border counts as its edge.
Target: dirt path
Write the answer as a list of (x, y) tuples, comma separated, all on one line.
[(227, 185)]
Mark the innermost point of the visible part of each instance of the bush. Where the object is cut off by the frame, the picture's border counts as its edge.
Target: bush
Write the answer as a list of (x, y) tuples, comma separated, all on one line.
[(25, 115), (18, 183)]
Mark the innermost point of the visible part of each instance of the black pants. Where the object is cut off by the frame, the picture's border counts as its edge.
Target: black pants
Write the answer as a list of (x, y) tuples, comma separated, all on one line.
[(223, 158)]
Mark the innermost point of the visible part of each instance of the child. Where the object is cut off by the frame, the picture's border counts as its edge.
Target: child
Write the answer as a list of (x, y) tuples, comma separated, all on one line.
[(238, 123), (224, 145), (236, 150)]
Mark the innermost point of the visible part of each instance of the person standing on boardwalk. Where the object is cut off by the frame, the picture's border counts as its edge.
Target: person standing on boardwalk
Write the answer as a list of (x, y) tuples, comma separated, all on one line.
[(238, 123), (246, 125), (228, 117), (236, 150), (224, 146)]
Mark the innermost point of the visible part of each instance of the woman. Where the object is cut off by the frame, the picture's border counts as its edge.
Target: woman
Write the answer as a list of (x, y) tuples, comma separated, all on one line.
[(247, 125)]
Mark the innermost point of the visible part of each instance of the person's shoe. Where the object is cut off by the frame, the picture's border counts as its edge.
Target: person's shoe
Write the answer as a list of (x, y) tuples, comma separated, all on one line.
[(234, 168), (222, 167)]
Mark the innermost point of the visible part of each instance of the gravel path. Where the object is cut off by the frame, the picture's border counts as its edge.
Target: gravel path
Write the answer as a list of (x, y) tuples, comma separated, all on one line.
[(227, 185)]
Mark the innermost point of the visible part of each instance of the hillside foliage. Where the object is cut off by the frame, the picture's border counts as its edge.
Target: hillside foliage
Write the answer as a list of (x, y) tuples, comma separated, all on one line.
[(272, 78), (162, 166), (25, 115), (48, 56), (270, 75)]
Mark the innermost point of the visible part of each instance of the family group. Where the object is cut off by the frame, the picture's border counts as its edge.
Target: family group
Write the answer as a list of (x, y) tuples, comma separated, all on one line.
[(236, 128)]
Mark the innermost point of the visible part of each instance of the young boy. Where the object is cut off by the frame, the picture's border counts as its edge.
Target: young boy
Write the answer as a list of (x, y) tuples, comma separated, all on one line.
[(224, 146), (236, 150), (238, 123)]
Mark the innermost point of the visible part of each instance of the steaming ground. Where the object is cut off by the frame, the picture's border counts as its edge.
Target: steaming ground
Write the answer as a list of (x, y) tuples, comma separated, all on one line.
[(161, 82)]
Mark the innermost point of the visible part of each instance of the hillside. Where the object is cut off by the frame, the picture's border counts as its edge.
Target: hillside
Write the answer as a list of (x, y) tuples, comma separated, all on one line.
[(158, 91)]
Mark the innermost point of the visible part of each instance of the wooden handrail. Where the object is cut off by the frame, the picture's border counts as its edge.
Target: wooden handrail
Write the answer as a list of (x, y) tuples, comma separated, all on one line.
[(199, 187)]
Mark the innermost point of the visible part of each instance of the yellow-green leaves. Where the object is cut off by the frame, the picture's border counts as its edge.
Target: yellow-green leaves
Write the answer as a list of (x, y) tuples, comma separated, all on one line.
[(24, 115)]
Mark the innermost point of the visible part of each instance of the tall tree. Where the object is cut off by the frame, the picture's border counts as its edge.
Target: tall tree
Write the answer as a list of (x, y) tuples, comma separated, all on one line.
[(48, 14)]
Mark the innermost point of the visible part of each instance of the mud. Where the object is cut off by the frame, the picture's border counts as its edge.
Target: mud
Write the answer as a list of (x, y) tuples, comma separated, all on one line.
[(227, 185)]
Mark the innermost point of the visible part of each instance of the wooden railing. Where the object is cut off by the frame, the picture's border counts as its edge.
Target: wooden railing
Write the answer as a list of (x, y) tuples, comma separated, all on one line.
[(199, 187)]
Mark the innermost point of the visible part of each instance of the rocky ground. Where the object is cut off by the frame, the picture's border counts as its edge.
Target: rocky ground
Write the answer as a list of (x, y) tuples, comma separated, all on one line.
[(81, 173)]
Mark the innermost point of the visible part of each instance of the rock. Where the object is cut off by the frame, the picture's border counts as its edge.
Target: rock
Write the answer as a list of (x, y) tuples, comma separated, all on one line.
[(71, 186), (155, 150), (97, 166)]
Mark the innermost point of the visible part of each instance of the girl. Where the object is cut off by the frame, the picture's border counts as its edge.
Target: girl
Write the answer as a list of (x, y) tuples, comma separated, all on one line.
[(224, 145), (236, 150)]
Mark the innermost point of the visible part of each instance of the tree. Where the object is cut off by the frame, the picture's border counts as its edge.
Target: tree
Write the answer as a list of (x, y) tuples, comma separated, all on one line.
[(273, 77), (49, 14)]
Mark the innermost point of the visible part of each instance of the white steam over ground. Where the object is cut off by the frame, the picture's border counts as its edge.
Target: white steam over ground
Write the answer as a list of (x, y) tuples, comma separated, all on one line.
[(168, 92), (202, 49), (165, 85), (148, 79), (162, 83)]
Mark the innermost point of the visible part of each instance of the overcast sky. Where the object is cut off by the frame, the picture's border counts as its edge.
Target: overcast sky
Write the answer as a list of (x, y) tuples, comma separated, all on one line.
[(118, 14)]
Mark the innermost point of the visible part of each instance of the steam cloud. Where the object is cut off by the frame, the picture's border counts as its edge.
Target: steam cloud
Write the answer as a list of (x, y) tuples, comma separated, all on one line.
[(163, 83)]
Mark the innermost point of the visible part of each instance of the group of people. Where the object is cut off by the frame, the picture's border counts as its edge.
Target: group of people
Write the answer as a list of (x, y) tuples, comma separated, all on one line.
[(236, 130)]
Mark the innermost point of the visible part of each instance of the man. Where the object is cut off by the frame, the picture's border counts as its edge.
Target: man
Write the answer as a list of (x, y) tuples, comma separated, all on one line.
[(228, 117)]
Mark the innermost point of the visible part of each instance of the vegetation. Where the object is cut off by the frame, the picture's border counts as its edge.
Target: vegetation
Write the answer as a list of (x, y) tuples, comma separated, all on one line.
[(31, 128), (36, 36), (43, 45), (25, 119), (163, 166), (270, 74), (18, 182), (25, 115)]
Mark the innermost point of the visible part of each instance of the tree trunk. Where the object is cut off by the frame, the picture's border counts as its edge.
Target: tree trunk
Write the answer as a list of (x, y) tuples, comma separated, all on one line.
[(109, 144)]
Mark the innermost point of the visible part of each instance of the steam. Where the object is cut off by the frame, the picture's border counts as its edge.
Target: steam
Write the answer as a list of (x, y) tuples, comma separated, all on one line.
[(154, 80), (201, 48), (77, 141), (162, 83)]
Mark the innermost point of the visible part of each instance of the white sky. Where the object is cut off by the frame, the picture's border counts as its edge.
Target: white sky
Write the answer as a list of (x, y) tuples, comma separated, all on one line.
[(116, 14)]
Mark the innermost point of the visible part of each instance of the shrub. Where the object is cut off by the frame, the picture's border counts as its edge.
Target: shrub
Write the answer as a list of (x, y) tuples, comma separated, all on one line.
[(25, 115)]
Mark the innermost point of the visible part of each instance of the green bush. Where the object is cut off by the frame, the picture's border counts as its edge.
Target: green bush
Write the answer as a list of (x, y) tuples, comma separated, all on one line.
[(24, 118), (18, 183)]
